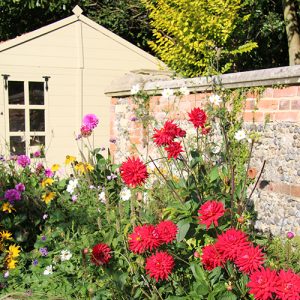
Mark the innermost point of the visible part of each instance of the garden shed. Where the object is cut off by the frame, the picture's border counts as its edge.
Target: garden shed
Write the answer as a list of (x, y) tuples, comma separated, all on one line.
[(53, 76)]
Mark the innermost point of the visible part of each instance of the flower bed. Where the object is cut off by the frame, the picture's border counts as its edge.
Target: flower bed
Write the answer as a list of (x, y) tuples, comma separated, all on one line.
[(175, 222)]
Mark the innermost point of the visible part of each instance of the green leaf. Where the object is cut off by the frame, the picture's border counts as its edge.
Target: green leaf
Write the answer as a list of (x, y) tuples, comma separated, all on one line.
[(183, 228), (214, 174), (198, 272), (227, 296)]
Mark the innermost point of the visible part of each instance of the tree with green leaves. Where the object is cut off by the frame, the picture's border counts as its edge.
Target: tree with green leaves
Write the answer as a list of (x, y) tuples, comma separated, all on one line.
[(198, 37)]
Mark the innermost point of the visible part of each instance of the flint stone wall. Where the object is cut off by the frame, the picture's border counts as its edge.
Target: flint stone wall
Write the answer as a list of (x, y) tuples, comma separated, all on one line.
[(277, 198)]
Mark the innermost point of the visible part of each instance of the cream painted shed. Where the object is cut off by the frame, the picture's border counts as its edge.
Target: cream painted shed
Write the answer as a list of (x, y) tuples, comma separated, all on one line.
[(53, 76)]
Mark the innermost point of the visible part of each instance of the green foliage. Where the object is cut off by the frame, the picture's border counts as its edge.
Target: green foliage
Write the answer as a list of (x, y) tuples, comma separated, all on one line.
[(196, 37)]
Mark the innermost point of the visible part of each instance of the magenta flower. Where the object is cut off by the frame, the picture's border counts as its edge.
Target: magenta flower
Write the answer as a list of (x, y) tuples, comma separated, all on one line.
[(37, 153), (90, 120), (23, 160), (12, 195), (290, 235), (48, 173), (20, 187)]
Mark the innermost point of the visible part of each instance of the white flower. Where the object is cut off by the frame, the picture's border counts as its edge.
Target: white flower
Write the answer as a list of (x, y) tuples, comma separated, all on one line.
[(72, 185), (184, 91), (6, 274), (65, 255), (166, 93), (216, 149), (215, 99), (48, 270), (102, 197), (125, 194), (240, 135), (135, 89)]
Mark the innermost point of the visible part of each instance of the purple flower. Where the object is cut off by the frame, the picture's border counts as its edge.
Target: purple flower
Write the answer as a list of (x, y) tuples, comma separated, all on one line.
[(43, 238), (20, 187), (43, 251), (111, 176), (23, 160), (12, 195), (133, 119), (90, 120), (2, 158), (74, 198), (35, 262), (37, 153), (113, 140), (48, 173), (290, 235)]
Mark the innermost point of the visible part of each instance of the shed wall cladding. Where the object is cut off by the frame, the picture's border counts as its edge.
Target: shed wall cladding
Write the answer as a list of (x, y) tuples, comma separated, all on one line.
[(82, 59), (54, 49), (53, 54)]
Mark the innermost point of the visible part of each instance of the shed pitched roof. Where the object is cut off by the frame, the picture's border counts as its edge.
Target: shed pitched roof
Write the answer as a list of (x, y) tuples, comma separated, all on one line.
[(69, 20)]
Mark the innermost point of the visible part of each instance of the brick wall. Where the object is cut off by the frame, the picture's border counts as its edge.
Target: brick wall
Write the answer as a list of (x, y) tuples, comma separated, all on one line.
[(277, 198)]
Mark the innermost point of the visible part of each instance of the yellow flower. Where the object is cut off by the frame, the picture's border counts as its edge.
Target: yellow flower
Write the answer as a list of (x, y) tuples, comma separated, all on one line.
[(11, 263), (70, 159), (7, 207), (13, 251), (48, 197), (83, 167), (5, 235), (47, 181), (55, 167)]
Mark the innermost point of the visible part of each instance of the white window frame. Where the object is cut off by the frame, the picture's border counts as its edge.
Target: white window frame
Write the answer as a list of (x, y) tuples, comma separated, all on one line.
[(27, 133)]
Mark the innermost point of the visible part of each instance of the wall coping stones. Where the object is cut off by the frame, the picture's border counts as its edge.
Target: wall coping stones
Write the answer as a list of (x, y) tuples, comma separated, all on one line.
[(155, 81)]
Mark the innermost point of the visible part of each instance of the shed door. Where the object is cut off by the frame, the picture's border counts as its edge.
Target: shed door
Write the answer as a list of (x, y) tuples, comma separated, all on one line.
[(25, 121)]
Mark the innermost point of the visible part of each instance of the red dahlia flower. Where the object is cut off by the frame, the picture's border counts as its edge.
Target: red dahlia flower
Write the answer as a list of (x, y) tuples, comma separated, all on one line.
[(86, 130), (174, 149), (288, 285), (101, 254), (159, 265), (250, 259), (143, 238), (167, 231), (166, 135), (133, 172), (263, 284), (198, 117), (211, 257), (231, 242), (210, 212)]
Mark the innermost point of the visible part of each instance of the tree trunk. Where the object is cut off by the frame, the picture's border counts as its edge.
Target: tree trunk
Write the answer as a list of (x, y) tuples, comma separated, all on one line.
[(292, 26)]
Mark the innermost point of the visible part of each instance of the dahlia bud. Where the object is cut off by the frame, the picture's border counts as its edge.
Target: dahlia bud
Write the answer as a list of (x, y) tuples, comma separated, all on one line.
[(197, 254), (241, 220), (229, 286), (290, 235), (85, 251)]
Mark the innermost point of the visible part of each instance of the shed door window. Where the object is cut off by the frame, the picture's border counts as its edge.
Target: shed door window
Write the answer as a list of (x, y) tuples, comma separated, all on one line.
[(26, 116)]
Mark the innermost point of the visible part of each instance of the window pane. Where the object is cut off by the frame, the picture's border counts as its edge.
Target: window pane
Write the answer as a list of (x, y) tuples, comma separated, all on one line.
[(36, 93), (17, 145), (37, 143), (37, 120), (15, 92), (16, 120)]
